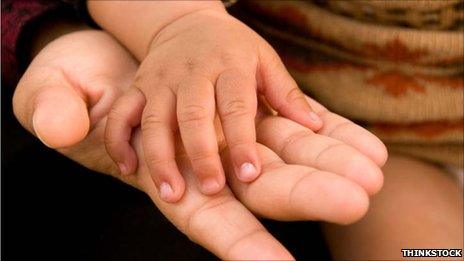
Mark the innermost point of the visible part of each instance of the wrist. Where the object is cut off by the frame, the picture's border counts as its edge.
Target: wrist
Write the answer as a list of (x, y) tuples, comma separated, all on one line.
[(195, 19), (136, 24)]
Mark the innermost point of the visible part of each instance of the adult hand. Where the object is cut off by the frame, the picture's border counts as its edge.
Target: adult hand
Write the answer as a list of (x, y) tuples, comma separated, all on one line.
[(72, 83)]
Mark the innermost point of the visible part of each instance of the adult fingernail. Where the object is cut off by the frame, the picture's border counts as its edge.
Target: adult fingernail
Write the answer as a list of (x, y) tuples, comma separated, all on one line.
[(123, 169), (247, 172), (314, 117), (210, 186), (165, 191), (37, 131)]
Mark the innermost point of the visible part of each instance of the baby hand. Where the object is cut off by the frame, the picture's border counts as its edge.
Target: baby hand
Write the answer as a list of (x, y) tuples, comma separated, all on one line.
[(202, 61)]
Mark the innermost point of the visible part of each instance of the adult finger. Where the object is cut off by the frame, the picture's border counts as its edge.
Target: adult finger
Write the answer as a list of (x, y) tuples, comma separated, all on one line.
[(296, 192), (342, 129), (296, 144)]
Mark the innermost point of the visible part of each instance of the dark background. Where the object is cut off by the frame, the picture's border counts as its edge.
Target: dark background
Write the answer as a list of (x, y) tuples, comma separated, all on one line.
[(54, 209)]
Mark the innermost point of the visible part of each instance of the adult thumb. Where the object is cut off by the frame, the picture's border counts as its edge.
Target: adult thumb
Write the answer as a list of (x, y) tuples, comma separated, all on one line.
[(60, 116)]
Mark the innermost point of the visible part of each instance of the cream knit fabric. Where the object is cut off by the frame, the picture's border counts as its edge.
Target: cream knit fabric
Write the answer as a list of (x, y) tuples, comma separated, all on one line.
[(397, 67)]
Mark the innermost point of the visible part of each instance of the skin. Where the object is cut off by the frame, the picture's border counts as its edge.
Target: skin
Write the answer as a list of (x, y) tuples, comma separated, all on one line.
[(420, 206), (199, 63), (64, 98)]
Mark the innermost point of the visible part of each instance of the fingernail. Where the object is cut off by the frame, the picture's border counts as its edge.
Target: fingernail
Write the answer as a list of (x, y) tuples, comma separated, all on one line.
[(123, 169), (247, 172), (165, 191), (37, 133), (210, 186), (314, 117)]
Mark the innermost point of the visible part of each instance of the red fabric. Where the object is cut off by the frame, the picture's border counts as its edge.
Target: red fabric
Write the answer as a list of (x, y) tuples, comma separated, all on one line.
[(16, 14)]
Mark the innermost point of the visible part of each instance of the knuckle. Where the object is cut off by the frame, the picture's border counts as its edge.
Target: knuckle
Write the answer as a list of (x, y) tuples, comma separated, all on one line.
[(203, 154), (194, 220), (154, 161), (240, 142), (293, 139), (149, 73), (192, 115), (190, 64), (138, 79), (151, 120), (234, 109), (110, 145), (294, 95), (114, 147), (272, 59), (228, 57), (328, 148), (292, 194), (114, 115), (160, 74), (246, 236)]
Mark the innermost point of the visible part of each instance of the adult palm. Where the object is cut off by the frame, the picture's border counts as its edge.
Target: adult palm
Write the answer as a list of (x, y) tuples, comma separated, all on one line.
[(67, 91)]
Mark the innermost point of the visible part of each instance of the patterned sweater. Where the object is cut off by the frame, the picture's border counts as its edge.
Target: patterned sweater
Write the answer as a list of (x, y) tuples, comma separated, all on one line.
[(397, 67)]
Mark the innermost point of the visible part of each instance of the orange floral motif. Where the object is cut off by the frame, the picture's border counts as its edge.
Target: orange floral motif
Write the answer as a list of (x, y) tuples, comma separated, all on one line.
[(425, 129), (394, 50), (396, 83)]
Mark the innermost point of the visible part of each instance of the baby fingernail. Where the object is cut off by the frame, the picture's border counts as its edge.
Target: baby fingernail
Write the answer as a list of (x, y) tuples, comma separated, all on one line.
[(247, 172), (123, 169), (165, 191), (210, 186)]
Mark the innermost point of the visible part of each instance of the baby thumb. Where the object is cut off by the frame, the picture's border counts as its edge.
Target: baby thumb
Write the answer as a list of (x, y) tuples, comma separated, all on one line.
[(60, 117)]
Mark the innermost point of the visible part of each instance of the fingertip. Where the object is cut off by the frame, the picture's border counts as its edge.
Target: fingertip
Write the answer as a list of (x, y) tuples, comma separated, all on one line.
[(122, 154), (247, 172), (128, 167), (166, 192), (123, 169), (355, 206), (365, 173), (380, 155), (209, 174), (131, 161), (315, 121), (171, 191), (376, 182), (370, 145), (60, 123), (246, 161), (210, 186), (303, 115), (355, 209), (347, 210)]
